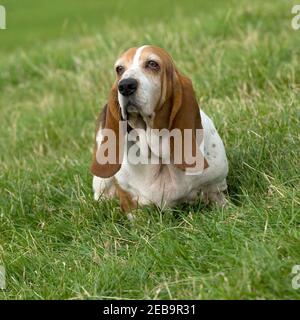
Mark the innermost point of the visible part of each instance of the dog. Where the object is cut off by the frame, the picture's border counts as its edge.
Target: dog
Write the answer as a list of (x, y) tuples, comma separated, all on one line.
[(149, 94)]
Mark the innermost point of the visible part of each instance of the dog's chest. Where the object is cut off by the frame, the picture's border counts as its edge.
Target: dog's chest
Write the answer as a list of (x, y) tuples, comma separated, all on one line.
[(158, 184)]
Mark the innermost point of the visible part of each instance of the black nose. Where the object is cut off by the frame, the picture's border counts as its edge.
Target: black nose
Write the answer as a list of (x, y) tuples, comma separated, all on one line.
[(127, 86)]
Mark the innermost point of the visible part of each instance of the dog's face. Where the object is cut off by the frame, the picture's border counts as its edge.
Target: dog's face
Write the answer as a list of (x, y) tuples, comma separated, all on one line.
[(150, 93), (140, 81)]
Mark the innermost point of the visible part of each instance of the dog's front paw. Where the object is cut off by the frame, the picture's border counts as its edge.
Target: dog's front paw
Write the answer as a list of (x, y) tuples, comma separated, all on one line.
[(131, 216)]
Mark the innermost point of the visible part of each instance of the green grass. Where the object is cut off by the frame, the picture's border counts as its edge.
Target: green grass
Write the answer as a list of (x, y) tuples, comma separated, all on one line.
[(56, 242)]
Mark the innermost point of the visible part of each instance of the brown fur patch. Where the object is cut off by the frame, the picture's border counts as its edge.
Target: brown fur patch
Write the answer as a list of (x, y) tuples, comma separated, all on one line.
[(100, 123), (126, 201), (126, 58), (112, 119)]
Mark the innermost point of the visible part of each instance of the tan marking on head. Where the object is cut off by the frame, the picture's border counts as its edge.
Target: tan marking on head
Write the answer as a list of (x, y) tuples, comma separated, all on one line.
[(126, 58)]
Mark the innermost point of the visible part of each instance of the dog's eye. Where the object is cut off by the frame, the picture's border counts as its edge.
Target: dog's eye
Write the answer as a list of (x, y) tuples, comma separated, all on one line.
[(120, 70), (151, 64)]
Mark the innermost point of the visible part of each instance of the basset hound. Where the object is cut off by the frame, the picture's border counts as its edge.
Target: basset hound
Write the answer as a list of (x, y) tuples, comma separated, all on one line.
[(150, 94)]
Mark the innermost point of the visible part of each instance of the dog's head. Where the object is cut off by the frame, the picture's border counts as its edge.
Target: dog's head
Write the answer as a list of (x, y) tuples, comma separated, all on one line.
[(150, 92)]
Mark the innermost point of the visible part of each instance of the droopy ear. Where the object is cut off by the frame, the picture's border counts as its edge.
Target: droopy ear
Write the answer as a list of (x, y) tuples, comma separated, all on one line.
[(110, 123), (185, 114), (180, 111)]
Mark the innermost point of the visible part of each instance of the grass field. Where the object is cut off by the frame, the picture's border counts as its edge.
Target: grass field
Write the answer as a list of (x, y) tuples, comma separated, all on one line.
[(56, 67)]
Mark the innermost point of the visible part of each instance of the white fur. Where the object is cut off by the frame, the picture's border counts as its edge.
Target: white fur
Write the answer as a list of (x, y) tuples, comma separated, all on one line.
[(136, 58)]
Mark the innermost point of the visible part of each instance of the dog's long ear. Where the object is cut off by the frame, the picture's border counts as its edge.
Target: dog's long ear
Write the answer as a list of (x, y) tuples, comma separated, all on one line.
[(181, 112), (185, 116), (109, 144)]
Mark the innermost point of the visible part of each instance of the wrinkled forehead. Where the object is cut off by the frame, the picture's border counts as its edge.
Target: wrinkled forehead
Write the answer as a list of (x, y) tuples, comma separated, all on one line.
[(136, 56)]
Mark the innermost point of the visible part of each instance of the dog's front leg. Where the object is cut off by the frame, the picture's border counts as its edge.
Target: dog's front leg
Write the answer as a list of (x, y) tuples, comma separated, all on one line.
[(127, 204)]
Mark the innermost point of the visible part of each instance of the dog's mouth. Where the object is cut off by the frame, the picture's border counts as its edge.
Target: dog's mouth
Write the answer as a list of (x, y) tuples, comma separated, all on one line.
[(133, 113), (136, 121), (132, 107)]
